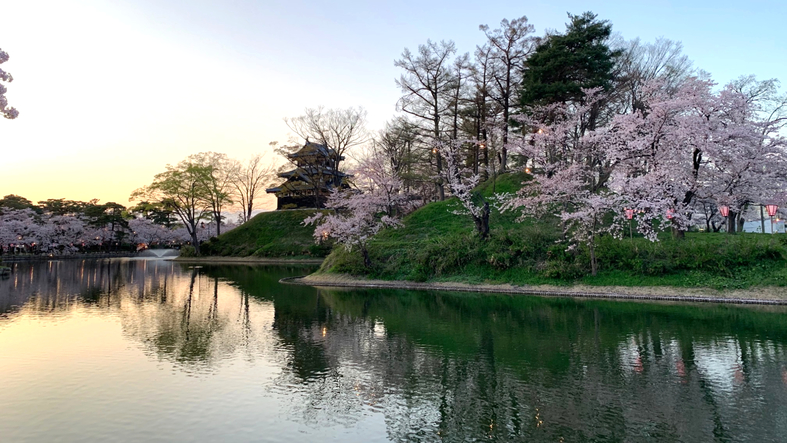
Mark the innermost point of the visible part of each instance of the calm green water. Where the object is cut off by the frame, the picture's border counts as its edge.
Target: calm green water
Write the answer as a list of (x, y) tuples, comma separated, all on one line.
[(151, 350)]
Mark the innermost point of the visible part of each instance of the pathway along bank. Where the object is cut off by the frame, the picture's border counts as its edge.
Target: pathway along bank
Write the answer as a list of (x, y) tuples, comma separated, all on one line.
[(759, 296)]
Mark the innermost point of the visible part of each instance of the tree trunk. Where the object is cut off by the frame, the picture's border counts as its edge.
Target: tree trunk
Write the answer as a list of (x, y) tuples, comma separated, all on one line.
[(731, 222), (366, 260), (482, 222), (707, 223), (485, 171), (593, 263), (762, 220), (439, 183), (195, 242), (218, 224), (506, 112)]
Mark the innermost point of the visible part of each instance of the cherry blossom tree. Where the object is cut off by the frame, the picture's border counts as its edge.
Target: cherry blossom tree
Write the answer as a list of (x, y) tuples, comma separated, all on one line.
[(63, 234), (18, 226), (49, 233), (571, 171), (461, 182), (682, 146), (148, 232), (7, 111), (750, 164), (660, 152), (692, 145), (748, 161), (358, 214)]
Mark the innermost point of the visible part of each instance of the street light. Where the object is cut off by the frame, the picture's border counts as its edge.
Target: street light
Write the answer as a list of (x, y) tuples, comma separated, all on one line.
[(481, 146), (771, 212)]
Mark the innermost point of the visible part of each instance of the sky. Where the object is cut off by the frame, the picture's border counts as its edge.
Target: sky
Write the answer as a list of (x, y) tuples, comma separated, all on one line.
[(111, 91)]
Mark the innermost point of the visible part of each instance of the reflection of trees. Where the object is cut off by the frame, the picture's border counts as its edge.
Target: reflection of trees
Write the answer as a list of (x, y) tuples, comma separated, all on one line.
[(204, 317), (178, 314), (196, 326), (446, 366), (187, 333), (459, 367), (58, 285)]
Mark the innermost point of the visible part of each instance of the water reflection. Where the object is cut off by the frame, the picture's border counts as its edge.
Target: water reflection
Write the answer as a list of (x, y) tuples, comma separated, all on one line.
[(420, 366), (520, 369)]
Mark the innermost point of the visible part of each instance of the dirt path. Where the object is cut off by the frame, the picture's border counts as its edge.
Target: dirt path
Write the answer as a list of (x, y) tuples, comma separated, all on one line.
[(764, 296), (250, 260)]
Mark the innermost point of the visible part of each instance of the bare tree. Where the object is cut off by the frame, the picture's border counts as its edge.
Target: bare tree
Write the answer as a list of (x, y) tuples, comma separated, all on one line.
[(396, 142), (764, 98), (249, 180), (338, 129), (427, 83), (511, 44), (459, 93), (643, 62), (481, 83)]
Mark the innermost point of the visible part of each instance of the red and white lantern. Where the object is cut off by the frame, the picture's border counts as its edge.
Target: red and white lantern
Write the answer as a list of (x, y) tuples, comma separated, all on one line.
[(771, 209), (629, 213), (724, 210)]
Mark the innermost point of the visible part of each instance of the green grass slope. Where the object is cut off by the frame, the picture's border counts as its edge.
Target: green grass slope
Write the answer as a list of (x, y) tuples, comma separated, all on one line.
[(436, 245), (269, 234)]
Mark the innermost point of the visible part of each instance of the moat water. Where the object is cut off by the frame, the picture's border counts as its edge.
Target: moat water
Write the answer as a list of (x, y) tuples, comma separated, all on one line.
[(135, 350)]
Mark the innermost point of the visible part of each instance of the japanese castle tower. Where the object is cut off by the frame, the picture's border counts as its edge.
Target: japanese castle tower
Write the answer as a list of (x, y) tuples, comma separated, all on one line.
[(314, 176)]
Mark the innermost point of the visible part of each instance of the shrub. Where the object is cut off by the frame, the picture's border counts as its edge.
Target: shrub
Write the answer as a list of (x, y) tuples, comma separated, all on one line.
[(188, 251)]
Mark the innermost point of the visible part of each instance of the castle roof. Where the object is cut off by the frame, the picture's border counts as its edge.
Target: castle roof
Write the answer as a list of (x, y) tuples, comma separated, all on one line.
[(311, 149)]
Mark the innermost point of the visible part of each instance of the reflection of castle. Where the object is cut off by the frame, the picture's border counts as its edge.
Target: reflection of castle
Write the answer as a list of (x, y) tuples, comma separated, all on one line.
[(314, 176)]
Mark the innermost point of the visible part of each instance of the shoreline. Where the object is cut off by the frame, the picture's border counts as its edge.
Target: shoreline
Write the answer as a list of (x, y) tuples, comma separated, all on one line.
[(91, 256), (759, 296), (250, 260)]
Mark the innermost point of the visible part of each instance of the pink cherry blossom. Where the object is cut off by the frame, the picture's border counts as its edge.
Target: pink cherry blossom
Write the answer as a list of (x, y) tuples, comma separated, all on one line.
[(7, 111), (358, 214)]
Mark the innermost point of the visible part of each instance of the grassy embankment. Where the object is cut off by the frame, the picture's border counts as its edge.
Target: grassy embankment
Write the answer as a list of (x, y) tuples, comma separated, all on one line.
[(275, 234), (436, 245)]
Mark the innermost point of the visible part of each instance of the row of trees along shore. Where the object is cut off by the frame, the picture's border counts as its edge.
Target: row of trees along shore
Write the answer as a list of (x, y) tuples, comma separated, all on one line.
[(205, 185), (599, 124), (63, 227)]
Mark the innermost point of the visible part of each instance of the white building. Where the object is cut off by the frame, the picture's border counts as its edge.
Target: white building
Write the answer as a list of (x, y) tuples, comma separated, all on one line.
[(756, 226)]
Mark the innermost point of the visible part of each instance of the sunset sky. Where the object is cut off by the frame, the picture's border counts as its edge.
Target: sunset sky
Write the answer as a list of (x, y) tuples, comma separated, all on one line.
[(109, 92)]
